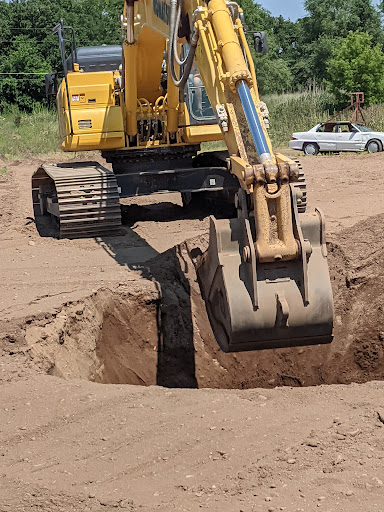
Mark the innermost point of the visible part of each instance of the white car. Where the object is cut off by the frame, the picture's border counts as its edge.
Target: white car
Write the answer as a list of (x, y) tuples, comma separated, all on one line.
[(338, 136)]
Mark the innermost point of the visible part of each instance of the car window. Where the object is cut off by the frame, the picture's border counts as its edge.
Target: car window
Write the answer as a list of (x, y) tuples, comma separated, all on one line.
[(346, 128), (340, 128), (329, 128), (364, 128)]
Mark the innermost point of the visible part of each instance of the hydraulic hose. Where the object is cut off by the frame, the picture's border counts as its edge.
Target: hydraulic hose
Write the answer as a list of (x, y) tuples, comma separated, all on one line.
[(253, 121), (172, 22), (174, 19), (174, 44)]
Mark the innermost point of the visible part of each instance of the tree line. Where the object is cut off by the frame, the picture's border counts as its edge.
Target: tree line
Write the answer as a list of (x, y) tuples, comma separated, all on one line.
[(339, 45)]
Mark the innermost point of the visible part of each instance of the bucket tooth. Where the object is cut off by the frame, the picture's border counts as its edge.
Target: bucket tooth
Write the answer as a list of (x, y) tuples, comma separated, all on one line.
[(254, 306)]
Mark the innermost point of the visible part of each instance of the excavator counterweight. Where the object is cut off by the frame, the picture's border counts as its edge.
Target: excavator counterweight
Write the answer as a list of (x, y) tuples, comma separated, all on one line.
[(185, 75)]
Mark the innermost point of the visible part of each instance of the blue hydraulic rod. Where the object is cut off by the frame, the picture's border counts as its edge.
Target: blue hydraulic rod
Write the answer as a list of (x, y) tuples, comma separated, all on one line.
[(253, 121)]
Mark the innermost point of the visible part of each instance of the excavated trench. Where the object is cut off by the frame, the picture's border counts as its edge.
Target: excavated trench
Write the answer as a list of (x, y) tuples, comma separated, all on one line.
[(156, 332)]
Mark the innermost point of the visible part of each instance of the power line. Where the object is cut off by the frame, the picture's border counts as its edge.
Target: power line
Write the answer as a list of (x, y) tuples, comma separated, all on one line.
[(20, 29), (23, 73), (13, 40), (24, 80), (30, 28)]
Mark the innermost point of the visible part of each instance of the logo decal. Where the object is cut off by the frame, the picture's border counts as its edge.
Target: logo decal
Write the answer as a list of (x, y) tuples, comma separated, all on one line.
[(161, 10)]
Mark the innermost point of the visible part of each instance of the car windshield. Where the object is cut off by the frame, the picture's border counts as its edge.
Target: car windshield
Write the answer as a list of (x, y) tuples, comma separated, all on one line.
[(364, 128)]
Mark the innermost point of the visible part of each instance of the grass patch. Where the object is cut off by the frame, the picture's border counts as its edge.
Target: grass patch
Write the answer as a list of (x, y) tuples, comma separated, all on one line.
[(215, 145), (22, 134), (3, 171), (296, 112), (374, 117)]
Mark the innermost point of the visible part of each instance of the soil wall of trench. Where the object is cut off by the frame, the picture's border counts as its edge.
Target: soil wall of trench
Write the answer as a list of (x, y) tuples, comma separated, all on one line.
[(156, 331)]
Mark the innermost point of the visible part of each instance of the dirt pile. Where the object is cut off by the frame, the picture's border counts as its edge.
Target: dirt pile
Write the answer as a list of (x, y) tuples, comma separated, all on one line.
[(155, 330)]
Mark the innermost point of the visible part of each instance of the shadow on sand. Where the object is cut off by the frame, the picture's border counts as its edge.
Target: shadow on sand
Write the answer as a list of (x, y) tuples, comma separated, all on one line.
[(175, 350)]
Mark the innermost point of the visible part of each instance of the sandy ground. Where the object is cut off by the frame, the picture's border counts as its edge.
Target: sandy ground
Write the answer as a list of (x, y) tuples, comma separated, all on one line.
[(40, 272), (70, 444)]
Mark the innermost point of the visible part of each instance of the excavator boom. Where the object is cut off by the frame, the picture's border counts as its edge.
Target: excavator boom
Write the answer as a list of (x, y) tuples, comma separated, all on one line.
[(264, 277)]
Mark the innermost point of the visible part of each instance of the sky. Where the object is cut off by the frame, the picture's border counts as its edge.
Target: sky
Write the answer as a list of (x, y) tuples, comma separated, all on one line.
[(292, 9)]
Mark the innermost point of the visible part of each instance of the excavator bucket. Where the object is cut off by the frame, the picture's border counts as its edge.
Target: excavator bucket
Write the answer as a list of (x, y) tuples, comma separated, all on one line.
[(253, 305)]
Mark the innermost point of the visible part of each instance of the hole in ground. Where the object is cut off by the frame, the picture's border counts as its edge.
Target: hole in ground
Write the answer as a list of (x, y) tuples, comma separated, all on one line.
[(155, 331)]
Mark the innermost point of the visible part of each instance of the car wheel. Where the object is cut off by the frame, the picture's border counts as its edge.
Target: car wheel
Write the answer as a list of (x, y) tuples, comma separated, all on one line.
[(374, 146), (311, 148)]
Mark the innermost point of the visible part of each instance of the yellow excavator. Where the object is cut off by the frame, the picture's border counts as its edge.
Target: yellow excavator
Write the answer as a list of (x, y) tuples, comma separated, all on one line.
[(185, 75)]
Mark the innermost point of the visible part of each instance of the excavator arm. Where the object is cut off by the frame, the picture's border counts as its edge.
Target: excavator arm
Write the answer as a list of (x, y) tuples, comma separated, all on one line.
[(219, 48)]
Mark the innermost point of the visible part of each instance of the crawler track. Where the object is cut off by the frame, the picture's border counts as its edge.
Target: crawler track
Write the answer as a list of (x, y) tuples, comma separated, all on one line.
[(83, 197)]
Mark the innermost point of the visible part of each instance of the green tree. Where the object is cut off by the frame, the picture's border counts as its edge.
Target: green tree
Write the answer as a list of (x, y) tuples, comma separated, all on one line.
[(357, 65), (273, 75), (273, 69), (17, 87), (328, 23), (103, 26), (28, 45)]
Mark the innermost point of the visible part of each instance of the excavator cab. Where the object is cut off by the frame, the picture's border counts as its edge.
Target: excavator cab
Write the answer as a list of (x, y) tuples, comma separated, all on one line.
[(199, 108)]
